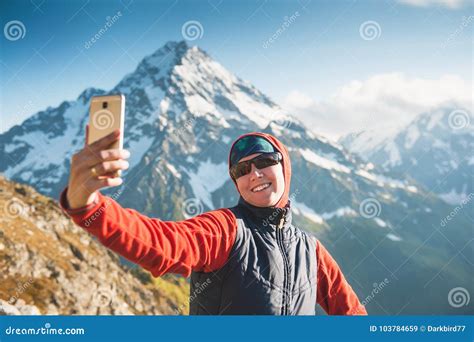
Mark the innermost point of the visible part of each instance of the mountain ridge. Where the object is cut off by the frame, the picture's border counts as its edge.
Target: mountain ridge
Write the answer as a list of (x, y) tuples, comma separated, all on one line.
[(435, 149)]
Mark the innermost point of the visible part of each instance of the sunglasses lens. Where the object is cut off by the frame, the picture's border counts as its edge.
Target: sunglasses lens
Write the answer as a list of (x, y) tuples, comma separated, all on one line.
[(260, 162), (265, 162), (241, 169)]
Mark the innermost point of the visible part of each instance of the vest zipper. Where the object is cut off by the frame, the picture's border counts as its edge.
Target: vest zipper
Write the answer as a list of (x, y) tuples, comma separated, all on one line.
[(286, 290)]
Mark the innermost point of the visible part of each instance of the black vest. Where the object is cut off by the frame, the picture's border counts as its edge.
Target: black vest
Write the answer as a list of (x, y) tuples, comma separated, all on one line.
[(271, 270)]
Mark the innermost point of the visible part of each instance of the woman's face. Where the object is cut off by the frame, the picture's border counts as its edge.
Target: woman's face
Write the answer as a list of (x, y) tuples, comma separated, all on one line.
[(264, 187)]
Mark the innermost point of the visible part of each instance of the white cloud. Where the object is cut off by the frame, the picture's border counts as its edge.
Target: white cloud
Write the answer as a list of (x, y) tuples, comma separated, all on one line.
[(383, 101), (453, 4), (299, 100)]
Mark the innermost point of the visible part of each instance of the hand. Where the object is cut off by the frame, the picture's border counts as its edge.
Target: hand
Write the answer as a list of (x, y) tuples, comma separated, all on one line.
[(95, 167)]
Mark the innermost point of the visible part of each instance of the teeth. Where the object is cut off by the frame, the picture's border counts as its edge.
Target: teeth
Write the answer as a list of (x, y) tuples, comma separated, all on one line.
[(261, 187)]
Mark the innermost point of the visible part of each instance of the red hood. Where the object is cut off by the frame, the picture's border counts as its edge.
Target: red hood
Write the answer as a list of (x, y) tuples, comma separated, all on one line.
[(286, 163)]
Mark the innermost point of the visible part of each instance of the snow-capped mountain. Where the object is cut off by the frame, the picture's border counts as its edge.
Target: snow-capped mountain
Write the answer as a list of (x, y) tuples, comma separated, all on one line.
[(184, 110), (436, 149)]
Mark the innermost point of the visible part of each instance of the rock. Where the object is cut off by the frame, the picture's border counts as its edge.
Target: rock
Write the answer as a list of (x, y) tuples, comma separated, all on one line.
[(26, 309), (8, 309), (20, 308)]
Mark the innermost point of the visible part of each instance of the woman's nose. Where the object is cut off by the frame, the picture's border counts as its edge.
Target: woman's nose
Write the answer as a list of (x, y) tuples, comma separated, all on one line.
[(254, 172)]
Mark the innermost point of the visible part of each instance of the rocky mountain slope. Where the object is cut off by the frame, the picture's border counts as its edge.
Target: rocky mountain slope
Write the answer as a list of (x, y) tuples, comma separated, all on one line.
[(50, 266)]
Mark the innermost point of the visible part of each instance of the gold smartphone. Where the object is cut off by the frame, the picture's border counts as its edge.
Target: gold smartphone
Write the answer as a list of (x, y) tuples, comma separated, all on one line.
[(107, 113)]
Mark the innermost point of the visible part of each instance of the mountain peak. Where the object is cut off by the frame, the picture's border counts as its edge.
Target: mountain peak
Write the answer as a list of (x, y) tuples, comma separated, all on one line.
[(155, 66), (194, 81), (176, 49), (176, 45)]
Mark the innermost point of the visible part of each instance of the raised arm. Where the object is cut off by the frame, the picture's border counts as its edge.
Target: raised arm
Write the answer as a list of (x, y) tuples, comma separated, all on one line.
[(202, 243), (334, 294)]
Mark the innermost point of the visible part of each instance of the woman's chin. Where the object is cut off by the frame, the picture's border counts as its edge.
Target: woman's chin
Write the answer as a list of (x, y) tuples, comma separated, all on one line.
[(262, 200)]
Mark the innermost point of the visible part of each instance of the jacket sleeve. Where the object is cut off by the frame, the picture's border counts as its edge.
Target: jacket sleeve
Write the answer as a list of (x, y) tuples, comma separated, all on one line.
[(202, 243), (334, 294)]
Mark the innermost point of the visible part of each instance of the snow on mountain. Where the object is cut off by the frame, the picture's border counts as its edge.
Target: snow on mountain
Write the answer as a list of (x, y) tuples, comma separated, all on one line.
[(435, 149), (37, 151), (208, 178), (207, 87), (326, 163)]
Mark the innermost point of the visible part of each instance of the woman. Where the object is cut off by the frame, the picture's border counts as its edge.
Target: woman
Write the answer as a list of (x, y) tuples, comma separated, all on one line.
[(248, 259)]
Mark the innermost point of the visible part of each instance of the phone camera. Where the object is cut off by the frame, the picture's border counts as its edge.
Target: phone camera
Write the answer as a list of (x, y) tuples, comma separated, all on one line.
[(104, 105)]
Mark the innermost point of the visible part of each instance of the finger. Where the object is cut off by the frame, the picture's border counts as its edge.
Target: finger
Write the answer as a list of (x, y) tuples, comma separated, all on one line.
[(110, 167), (106, 155), (105, 182), (114, 174), (105, 142)]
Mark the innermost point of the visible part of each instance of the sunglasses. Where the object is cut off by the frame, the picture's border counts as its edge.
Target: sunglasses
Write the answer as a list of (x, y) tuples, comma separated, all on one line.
[(262, 161)]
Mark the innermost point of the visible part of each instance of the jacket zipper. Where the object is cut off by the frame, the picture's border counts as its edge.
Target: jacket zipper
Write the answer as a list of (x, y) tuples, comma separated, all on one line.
[(279, 233)]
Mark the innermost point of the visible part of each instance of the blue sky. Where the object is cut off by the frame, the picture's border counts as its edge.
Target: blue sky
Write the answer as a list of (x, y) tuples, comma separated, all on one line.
[(313, 60)]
